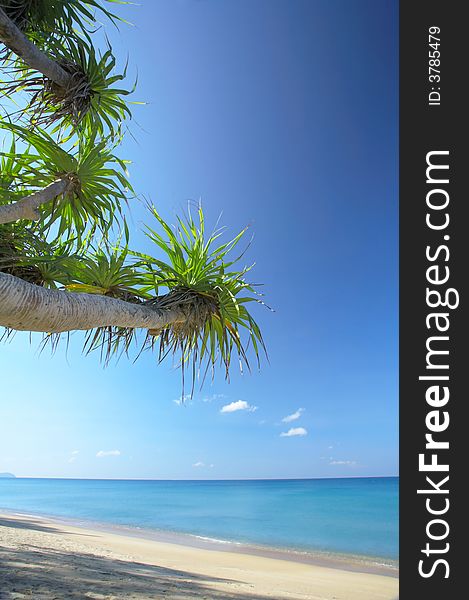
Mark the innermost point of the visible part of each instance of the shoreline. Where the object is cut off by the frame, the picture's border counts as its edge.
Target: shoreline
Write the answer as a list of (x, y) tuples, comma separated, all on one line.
[(52, 559), (375, 565)]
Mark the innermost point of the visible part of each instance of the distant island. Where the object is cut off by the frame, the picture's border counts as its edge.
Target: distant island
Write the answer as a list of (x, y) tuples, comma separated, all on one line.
[(7, 476)]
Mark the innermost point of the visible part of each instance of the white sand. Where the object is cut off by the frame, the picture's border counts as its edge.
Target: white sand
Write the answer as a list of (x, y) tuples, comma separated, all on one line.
[(41, 559)]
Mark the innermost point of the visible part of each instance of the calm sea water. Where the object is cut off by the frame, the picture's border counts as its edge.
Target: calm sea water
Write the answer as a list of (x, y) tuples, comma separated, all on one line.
[(357, 516)]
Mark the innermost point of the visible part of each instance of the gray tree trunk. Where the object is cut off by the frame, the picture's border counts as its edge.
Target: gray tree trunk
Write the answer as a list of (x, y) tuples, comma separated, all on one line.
[(16, 41), (28, 307), (26, 208)]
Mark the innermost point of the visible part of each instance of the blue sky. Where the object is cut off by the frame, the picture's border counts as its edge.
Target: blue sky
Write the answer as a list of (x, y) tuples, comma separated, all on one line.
[(282, 115)]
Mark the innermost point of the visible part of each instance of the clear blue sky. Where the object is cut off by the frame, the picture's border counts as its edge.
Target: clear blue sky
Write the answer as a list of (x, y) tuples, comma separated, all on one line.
[(283, 115)]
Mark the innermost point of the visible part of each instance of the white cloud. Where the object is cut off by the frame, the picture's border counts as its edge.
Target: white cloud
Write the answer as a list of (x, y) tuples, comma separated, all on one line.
[(294, 416), (294, 431), (199, 464), (103, 453), (73, 456), (348, 463), (238, 405)]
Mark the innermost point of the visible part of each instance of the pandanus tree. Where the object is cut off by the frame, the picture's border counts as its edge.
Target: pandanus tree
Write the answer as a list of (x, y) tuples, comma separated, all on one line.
[(65, 260)]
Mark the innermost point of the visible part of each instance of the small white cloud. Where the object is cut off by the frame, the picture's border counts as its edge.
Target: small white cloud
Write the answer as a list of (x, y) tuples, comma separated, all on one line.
[(103, 453), (348, 463), (199, 464), (213, 397), (330, 447), (294, 416), (182, 400), (294, 431), (238, 405), (73, 456)]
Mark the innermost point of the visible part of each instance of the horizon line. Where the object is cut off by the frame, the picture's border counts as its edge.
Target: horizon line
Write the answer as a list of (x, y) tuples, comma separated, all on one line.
[(187, 479)]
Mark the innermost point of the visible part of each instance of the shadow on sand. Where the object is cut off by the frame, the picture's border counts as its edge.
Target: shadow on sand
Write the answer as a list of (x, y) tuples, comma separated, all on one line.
[(33, 525), (47, 574)]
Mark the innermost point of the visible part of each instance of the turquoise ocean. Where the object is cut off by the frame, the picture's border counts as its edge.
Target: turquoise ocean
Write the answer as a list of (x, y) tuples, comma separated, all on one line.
[(357, 516)]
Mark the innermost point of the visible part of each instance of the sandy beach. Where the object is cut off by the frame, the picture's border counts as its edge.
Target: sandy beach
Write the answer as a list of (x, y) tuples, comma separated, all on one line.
[(44, 559)]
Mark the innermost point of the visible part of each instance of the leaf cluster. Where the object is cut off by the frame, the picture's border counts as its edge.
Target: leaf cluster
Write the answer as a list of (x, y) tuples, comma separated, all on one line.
[(97, 179), (41, 19), (202, 275)]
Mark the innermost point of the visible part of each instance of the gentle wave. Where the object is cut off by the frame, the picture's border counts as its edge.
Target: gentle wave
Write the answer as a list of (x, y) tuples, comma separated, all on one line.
[(215, 540)]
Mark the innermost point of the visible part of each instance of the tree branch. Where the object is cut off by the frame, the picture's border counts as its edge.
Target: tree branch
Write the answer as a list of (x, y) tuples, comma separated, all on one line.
[(28, 307), (26, 208), (18, 43)]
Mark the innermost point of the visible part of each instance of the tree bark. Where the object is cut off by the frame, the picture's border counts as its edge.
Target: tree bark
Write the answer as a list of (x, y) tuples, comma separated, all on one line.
[(28, 307), (26, 208), (18, 43)]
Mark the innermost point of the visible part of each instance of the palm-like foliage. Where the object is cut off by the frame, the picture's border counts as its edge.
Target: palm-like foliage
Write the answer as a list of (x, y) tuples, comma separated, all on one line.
[(200, 277), (42, 18), (107, 272), (91, 103), (9, 172), (29, 256), (97, 181)]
